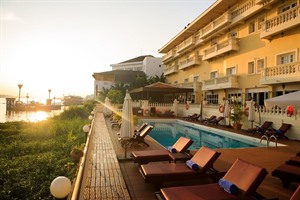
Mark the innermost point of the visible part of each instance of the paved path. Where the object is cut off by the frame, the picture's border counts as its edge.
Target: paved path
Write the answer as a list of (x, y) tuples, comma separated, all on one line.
[(103, 177)]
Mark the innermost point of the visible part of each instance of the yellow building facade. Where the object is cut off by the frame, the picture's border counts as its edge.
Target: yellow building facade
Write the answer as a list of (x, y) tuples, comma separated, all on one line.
[(238, 50)]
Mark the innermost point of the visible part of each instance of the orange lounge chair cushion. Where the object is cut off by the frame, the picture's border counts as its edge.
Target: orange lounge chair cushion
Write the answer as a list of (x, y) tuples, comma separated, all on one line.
[(207, 192), (150, 156), (143, 157), (162, 172)]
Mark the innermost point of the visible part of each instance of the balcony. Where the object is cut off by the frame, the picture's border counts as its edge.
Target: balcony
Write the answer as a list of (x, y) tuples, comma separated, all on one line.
[(168, 56), (223, 82), (282, 22), (170, 70), (221, 48), (265, 2), (281, 74), (216, 24), (189, 62), (186, 44)]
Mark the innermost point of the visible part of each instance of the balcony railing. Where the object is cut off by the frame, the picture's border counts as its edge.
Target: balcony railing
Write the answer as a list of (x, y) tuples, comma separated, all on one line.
[(170, 70), (216, 24), (243, 10), (223, 82), (265, 2), (283, 21), (221, 48), (281, 74), (191, 61), (168, 55), (186, 44)]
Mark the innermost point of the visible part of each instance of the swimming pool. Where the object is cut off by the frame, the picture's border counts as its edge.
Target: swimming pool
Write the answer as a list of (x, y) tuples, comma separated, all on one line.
[(167, 132)]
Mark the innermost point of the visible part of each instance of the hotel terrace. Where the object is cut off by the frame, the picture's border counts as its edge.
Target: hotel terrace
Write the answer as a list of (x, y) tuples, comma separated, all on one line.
[(239, 50)]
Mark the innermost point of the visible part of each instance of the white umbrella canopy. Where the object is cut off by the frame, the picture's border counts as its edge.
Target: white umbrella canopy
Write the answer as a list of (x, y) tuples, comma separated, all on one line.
[(107, 106), (226, 109), (251, 115), (290, 99), (127, 127), (175, 107)]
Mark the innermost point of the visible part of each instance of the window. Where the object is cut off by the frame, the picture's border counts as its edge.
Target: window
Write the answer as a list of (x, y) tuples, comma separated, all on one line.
[(251, 67), (186, 80), (213, 41), (212, 98), (196, 79), (251, 27), (286, 58), (230, 71), (235, 98), (233, 34), (213, 74), (287, 7), (260, 20), (260, 65), (175, 82)]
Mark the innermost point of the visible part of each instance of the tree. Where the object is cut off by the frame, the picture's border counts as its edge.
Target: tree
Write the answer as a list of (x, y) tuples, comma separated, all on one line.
[(140, 81), (116, 96), (103, 94), (157, 78)]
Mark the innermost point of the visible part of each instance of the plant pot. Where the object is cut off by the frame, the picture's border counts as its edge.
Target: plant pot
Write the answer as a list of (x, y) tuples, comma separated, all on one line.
[(237, 126), (76, 154)]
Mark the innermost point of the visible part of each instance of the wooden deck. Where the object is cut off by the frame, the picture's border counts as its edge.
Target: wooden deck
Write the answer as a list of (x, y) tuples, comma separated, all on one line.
[(112, 175)]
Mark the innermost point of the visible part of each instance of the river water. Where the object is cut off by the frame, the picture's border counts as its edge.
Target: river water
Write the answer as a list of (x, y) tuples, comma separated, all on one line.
[(28, 116)]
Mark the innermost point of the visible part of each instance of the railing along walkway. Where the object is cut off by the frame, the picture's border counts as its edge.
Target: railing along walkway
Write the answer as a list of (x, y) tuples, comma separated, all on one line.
[(103, 176)]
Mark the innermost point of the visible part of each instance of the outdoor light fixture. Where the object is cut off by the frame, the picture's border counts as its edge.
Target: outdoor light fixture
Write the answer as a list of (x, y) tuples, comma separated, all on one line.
[(92, 113), (90, 117), (86, 130), (60, 187)]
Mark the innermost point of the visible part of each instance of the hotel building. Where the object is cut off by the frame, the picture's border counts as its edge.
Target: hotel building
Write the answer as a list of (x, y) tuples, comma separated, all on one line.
[(237, 49)]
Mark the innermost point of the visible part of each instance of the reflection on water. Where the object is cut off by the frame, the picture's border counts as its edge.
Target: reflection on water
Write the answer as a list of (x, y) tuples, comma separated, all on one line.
[(28, 116)]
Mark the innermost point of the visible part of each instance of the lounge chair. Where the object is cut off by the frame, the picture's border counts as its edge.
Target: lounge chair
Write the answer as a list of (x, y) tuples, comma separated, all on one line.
[(296, 194), (116, 124), (141, 128), (208, 119), (195, 118), (287, 174), (160, 173), (138, 138), (294, 161), (181, 146), (280, 133), (246, 176), (189, 117), (261, 129), (215, 121)]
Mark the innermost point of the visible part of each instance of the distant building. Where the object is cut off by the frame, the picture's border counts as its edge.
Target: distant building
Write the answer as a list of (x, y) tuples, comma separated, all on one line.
[(149, 64), (109, 78)]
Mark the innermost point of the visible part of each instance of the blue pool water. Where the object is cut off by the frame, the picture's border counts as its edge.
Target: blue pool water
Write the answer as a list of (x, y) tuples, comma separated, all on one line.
[(167, 133)]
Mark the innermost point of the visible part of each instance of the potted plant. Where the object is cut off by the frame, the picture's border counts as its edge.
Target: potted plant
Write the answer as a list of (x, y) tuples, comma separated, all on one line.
[(77, 151), (236, 117)]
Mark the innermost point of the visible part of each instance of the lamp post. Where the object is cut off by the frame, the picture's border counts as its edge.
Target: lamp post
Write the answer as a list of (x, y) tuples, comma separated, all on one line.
[(91, 118), (49, 90), (86, 130), (20, 87), (60, 187)]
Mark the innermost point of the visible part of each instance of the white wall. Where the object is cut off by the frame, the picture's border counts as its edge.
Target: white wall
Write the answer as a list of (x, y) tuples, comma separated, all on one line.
[(153, 66)]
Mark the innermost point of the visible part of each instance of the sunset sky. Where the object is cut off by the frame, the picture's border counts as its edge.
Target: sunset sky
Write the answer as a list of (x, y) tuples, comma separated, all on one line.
[(59, 44)]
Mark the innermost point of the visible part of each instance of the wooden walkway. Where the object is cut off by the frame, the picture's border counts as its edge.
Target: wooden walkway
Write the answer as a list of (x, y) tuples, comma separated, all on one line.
[(103, 178)]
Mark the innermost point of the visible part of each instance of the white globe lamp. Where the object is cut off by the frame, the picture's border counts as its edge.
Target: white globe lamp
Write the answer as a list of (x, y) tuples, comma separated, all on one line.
[(60, 187)]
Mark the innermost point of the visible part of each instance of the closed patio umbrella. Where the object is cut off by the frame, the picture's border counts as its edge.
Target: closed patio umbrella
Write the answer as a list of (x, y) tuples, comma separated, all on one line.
[(107, 107), (175, 107), (226, 110), (251, 115), (127, 127)]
